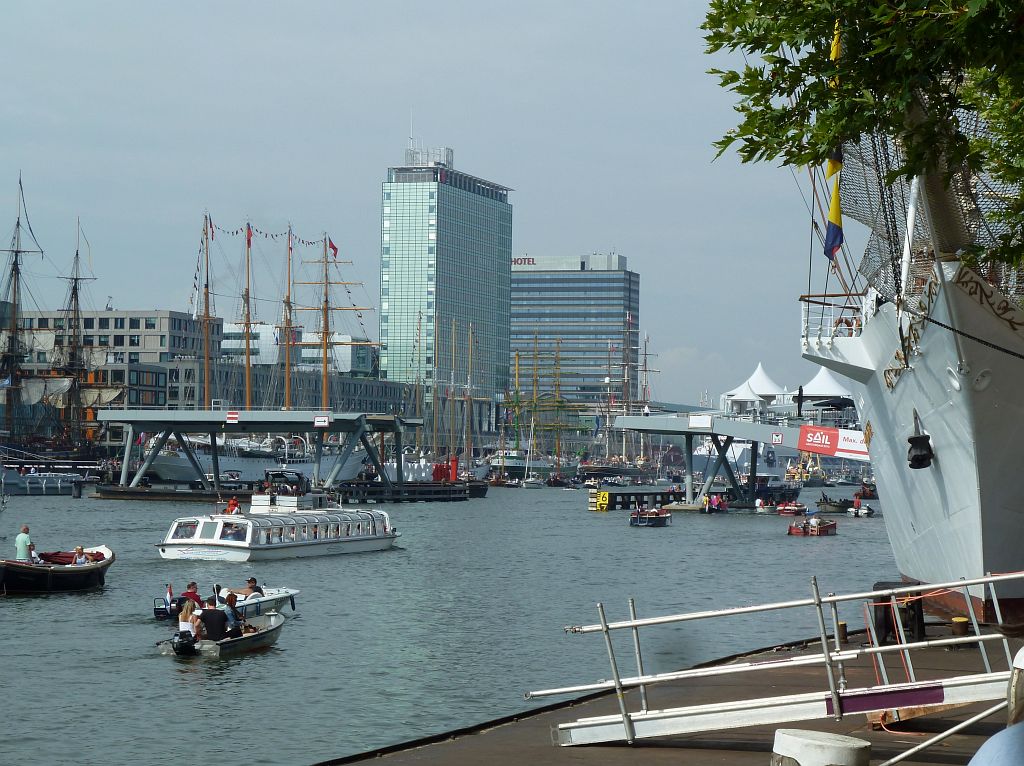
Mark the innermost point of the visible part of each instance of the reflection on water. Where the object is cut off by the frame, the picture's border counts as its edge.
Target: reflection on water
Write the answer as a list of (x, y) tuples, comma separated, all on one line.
[(448, 630)]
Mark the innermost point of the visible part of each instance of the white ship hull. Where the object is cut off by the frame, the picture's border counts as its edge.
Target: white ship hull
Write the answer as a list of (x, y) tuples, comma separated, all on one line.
[(173, 466), (962, 516)]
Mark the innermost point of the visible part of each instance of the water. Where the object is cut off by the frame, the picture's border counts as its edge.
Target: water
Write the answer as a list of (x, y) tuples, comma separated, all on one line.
[(447, 631)]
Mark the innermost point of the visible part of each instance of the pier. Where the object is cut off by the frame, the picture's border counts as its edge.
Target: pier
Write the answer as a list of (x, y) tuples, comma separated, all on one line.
[(626, 498)]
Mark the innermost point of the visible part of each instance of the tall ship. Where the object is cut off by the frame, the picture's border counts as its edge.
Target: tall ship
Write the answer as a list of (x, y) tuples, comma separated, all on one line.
[(934, 346), (52, 381)]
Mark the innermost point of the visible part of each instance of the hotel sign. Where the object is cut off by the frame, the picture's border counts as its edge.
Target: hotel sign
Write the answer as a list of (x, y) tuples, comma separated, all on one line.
[(524, 261)]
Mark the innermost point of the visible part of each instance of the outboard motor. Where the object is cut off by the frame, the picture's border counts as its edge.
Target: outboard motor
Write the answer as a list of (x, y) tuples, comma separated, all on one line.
[(184, 644)]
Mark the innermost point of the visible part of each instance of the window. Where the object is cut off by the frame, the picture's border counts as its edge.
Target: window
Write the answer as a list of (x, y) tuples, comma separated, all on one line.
[(89, 323), (150, 323), (118, 340), (133, 357), (104, 323), (58, 323), (133, 340), (88, 340), (104, 340), (44, 323), (185, 530), (134, 323), (118, 323), (117, 376), (40, 356)]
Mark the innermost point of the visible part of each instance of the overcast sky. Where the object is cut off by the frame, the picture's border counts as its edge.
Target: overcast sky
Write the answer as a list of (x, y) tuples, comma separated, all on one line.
[(138, 117)]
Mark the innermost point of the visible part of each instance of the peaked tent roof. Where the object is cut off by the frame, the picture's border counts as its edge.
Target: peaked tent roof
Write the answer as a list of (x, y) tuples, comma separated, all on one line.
[(759, 383), (825, 385), (743, 393)]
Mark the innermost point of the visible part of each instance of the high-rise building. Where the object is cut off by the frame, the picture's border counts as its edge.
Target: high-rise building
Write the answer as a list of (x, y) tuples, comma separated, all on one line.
[(575, 325), (446, 250)]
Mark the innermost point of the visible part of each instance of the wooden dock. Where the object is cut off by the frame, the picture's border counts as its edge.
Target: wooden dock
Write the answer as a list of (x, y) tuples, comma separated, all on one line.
[(527, 737)]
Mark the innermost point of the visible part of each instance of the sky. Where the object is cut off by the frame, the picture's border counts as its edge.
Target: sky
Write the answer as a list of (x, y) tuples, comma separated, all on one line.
[(137, 118)]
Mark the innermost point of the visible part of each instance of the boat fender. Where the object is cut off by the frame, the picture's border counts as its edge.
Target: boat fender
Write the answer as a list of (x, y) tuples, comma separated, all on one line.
[(292, 600)]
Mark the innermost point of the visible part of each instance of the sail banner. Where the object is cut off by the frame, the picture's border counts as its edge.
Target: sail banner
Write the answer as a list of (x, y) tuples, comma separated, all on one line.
[(834, 442)]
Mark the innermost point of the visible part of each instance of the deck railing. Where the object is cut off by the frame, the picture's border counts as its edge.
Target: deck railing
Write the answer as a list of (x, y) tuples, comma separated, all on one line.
[(835, 700)]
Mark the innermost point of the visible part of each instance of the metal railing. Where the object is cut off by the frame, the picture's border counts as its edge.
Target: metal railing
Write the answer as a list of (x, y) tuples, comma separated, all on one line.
[(833, 658)]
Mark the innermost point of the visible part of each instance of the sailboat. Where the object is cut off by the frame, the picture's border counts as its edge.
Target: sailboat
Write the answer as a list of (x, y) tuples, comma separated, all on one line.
[(530, 480)]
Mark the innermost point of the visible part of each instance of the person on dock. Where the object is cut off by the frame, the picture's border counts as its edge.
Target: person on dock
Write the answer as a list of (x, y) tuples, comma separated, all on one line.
[(21, 544), (212, 621), (191, 592)]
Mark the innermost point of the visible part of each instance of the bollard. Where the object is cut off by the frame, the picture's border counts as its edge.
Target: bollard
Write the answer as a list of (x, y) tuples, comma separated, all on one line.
[(797, 747), (76, 489), (843, 638), (959, 626)]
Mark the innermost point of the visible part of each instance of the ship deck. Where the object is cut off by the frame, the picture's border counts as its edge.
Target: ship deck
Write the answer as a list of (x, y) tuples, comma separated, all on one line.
[(528, 737)]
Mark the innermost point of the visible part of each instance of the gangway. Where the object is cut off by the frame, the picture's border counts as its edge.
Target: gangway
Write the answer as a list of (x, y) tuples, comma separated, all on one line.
[(886, 700)]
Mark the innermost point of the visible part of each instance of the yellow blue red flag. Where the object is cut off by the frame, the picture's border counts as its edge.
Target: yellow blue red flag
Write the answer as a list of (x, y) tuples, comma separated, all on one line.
[(834, 230)]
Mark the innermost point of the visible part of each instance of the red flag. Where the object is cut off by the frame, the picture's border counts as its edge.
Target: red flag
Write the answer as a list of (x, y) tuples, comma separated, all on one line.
[(248, 235), (334, 248)]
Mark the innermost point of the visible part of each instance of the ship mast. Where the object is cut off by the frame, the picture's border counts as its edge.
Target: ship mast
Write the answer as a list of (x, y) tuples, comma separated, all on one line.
[(325, 332), (469, 400), (207, 226), (247, 316), (75, 361), (287, 329), (13, 354), (450, 399)]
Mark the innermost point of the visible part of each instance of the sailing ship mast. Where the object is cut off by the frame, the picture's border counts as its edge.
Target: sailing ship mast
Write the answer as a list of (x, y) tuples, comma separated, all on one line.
[(287, 327), (13, 349), (74, 360), (247, 316), (468, 406), (206, 318)]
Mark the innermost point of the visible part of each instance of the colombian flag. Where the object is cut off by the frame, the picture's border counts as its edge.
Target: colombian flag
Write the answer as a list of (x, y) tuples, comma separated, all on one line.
[(834, 231)]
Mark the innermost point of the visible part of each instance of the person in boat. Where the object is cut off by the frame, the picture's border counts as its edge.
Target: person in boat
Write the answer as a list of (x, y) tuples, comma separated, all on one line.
[(79, 557), (233, 506), (856, 501), (187, 618), (236, 620), (191, 592), (250, 588), (22, 545), (33, 556), (213, 623)]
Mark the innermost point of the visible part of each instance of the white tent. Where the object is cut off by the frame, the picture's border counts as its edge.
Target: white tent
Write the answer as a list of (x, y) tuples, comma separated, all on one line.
[(743, 400), (824, 385)]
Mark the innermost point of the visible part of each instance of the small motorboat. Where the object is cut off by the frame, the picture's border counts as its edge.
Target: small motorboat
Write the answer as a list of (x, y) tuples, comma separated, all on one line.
[(813, 527), (791, 508), (265, 630), (650, 517), (862, 512), (55, 573), (833, 505), (272, 600)]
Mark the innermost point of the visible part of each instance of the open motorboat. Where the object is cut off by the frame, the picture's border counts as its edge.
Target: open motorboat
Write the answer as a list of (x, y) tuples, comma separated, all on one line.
[(650, 517), (278, 527), (55, 573), (271, 600), (813, 527), (267, 628), (863, 512), (791, 508)]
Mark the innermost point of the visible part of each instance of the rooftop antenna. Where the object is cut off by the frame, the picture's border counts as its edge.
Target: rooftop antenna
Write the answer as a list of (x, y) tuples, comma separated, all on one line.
[(110, 305)]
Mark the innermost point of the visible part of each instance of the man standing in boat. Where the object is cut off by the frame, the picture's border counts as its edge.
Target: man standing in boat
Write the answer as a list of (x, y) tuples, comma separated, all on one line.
[(213, 620), (21, 544)]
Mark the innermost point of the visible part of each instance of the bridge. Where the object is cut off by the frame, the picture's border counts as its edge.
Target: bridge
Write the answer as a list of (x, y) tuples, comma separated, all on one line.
[(723, 430)]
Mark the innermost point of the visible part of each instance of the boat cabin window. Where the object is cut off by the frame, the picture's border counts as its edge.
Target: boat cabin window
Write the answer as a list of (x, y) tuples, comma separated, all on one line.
[(264, 537), (208, 531), (333, 530), (289, 534), (275, 535), (232, 531), (346, 530), (303, 532), (315, 532), (185, 530)]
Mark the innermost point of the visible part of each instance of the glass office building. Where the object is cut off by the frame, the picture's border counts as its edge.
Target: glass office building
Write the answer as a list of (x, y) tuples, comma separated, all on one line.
[(446, 250), (575, 325)]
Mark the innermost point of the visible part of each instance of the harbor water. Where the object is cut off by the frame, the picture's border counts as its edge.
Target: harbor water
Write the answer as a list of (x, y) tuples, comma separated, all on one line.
[(447, 630)]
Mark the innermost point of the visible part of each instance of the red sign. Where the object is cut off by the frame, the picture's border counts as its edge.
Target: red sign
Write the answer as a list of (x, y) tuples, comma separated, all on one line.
[(232, 416), (820, 440)]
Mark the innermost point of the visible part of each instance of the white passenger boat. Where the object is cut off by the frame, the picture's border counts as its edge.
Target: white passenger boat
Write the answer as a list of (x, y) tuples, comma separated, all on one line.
[(38, 483), (270, 600), (279, 527)]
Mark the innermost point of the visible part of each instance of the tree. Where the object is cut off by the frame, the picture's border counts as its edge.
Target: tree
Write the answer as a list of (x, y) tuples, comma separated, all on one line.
[(906, 69)]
